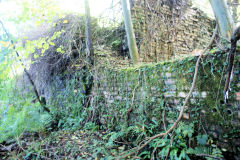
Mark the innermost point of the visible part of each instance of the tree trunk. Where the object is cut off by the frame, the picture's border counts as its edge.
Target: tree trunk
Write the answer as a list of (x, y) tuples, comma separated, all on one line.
[(234, 4), (87, 77), (223, 17), (90, 51), (130, 33)]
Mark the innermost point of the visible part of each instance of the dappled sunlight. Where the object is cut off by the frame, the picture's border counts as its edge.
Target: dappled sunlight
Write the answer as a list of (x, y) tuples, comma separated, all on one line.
[(119, 79)]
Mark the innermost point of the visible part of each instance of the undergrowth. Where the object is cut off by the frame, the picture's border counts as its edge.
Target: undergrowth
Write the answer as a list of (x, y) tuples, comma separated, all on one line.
[(18, 114), (109, 131)]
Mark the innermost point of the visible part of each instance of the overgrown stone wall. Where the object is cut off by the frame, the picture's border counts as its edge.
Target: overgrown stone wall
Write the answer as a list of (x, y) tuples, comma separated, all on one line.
[(138, 96), (166, 30)]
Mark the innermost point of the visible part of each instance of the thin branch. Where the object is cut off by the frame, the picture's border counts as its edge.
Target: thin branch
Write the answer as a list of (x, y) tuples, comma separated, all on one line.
[(88, 30), (155, 149), (169, 149), (25, 70), (233, 4), (184, 104), (165, 128), (234, 39)]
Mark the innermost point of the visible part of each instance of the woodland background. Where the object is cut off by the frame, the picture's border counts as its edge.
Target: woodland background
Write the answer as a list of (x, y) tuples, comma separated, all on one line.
[(139, 79)]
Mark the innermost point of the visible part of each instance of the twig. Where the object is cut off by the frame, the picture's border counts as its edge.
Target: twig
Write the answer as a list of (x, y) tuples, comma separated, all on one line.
[(171, 141), (7, 148), (164, 126), (157, 147), (184, 104), (169, 149), (127, 143), (44, 157)]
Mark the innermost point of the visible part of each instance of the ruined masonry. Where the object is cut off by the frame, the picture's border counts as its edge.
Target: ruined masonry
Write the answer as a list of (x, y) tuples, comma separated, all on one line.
[(165, 31)]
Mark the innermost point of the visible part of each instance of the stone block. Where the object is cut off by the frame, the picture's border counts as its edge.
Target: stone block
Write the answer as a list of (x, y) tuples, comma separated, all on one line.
[(170, 94), (168, 74), (195, 94), (169, 82), (237, 96), (204, 94), (182, 94)]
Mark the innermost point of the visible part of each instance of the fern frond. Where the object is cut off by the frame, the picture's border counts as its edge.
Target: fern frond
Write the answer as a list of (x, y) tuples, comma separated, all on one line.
[(200, 150)]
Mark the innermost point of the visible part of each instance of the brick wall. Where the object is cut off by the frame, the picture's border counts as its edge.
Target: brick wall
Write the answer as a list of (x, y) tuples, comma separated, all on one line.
[(165, 30), (150, 89)]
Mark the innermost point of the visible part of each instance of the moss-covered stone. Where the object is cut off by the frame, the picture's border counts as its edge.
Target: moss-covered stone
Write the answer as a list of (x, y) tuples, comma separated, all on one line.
[(136, 95)]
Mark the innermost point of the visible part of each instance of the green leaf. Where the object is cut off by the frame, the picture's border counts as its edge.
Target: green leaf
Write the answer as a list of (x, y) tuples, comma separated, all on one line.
[(164, 151), (202, 139), (51, 43), (183, 154), (35, 56), (46, 46), (60, 49), (173, 153)]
